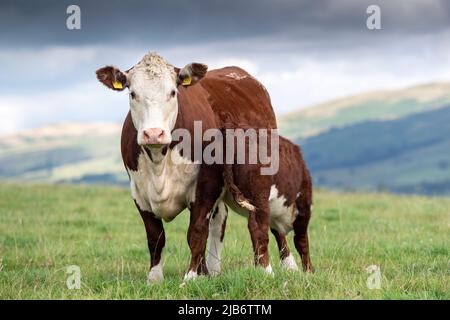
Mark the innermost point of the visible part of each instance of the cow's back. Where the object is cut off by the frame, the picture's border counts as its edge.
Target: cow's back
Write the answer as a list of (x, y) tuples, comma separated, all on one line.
[(237, 97)]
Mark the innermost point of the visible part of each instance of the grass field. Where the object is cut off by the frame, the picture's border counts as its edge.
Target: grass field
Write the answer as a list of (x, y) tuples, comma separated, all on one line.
[(46, 228)]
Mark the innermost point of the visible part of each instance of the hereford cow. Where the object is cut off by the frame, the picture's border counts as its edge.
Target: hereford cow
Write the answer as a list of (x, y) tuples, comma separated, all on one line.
[(164, 180)]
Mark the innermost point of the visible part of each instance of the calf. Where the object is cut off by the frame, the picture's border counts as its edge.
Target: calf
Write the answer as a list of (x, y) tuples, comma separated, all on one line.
[(286, 207)]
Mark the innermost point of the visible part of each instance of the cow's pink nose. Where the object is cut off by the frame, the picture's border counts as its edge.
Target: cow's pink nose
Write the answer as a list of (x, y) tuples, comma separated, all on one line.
[(154, 136)]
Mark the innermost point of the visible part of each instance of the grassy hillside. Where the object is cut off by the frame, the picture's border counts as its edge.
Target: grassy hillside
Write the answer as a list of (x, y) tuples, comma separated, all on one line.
[(381, 105), (45, 228), (410, 154)]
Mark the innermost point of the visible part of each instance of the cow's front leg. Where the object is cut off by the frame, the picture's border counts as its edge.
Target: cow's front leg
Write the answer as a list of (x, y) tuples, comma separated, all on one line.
[(156, 240), (197, 237), (209, 186)]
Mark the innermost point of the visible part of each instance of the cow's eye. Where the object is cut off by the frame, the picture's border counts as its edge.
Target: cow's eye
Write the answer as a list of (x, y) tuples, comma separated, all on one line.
[(132, 95), (172, 93)]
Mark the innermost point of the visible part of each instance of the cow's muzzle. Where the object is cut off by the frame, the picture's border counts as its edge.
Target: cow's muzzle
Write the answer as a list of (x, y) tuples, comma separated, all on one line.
[(155, 137)]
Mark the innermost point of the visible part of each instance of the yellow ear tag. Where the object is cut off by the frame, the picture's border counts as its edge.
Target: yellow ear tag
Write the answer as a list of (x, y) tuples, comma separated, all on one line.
[(186, 81), (117, 85)]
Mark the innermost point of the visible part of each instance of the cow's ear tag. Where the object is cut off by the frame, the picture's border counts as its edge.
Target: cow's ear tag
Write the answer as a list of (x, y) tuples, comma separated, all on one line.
[(117, 85), (186, 81)]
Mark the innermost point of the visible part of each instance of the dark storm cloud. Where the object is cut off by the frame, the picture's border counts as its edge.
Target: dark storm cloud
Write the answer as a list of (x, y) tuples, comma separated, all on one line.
[(305, 52), (31, 23)]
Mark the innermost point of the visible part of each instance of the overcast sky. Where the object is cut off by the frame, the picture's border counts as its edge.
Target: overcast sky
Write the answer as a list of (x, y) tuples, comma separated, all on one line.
[(304, 52)]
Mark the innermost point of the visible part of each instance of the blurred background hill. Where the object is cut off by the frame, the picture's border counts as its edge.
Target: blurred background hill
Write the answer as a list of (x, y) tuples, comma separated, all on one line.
[(75, 153), (397, 141)]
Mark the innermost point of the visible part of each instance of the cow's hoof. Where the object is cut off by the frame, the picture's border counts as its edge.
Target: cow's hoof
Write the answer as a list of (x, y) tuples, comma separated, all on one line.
[(309, 269), (268, 270), (289, 263), (213, 272), (213, 268), (191, 275), (155, 275)]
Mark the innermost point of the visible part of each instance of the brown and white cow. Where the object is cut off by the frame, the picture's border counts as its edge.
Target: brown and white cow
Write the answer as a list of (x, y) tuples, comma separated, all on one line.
[(164, 181)]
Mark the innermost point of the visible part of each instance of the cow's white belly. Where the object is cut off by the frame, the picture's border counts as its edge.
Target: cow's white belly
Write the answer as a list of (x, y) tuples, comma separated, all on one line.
[(281, 217), (164, 188)]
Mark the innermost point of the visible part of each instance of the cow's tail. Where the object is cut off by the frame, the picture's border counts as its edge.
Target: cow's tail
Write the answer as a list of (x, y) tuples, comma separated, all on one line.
[(240, 199), (228, 175)]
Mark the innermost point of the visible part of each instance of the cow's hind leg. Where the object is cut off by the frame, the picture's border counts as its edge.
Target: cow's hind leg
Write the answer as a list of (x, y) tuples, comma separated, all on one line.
[(251, 191), (258, 225), (156, 240), (215, 239), (286, 257), (301, 240)]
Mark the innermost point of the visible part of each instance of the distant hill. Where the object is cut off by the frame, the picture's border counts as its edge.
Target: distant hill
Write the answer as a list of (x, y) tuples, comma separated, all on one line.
[(64, 153), (406, 155), (394, 141), (378, 105)]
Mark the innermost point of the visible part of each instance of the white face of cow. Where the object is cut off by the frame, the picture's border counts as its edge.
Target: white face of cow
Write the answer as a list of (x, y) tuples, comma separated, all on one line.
[(153, 101), (152, 85)]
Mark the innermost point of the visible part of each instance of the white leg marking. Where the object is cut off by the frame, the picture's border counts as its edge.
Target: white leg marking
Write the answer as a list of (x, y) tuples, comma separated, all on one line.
[(156, 273), (289, 263), (191, 275), (214, 242), (269, 270)]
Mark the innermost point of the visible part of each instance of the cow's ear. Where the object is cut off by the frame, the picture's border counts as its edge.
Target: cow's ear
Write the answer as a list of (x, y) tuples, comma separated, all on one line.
[(112, 77), (191, 74)]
